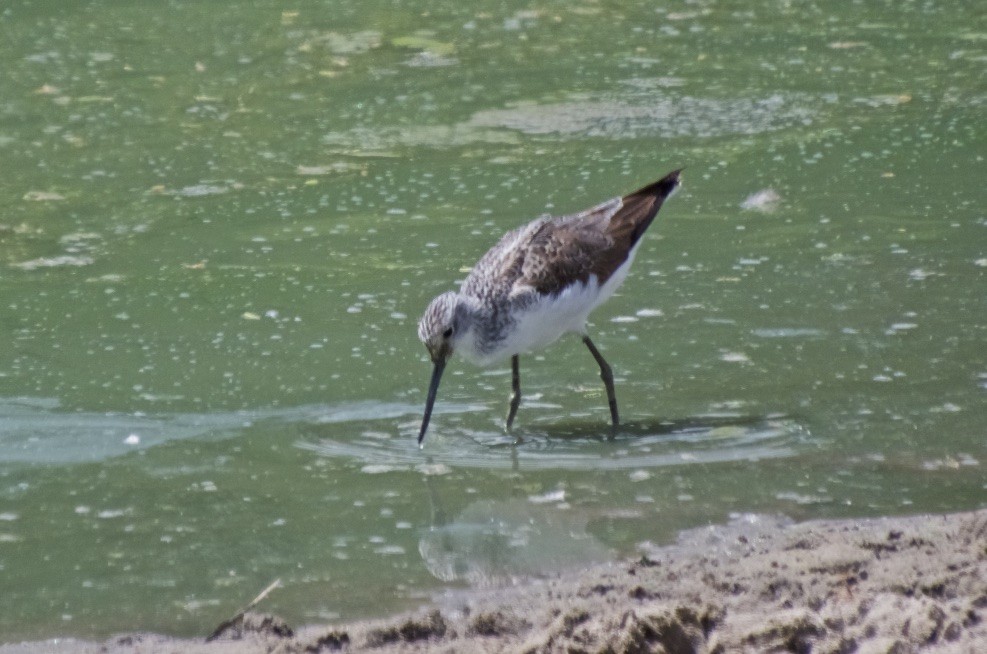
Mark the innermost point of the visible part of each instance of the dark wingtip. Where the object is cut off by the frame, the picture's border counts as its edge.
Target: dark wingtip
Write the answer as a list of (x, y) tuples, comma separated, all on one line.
[(642, 205), (664, 186)]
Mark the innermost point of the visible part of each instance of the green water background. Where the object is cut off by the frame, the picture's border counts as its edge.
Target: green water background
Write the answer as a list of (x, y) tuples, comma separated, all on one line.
[(219, 223)]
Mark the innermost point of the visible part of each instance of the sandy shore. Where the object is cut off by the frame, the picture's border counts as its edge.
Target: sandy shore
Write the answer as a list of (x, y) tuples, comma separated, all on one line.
[(898, 585)]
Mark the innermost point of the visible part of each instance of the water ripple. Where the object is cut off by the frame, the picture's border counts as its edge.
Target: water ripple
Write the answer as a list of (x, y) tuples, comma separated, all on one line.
[(695, 440), (36, 431)]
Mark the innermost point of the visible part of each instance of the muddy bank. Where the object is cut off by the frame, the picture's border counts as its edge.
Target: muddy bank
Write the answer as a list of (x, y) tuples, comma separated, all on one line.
[(914, 584)]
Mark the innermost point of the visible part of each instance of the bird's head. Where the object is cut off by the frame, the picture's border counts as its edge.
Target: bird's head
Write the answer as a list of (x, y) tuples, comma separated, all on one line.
[(439, 328)]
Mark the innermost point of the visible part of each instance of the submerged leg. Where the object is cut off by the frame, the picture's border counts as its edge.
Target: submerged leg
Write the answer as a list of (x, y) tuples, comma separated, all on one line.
[(516, 388), (606, 374)]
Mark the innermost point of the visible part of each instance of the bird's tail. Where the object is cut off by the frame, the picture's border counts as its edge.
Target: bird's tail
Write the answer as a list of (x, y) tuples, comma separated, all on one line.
[(640, 207)]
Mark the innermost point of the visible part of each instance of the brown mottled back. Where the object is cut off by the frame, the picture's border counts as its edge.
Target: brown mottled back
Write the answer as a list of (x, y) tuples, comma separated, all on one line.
[(597, 241)]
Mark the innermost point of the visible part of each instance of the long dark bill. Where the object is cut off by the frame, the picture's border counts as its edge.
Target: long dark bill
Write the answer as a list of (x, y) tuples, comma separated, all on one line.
[(433, 388)]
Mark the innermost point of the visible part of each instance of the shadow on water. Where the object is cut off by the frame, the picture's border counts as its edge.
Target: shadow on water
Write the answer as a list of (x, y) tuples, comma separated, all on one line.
[(497, 542), (592, 430)]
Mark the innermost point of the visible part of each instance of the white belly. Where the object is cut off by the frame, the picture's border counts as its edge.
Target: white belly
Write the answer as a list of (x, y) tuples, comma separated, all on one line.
[(547, 320)]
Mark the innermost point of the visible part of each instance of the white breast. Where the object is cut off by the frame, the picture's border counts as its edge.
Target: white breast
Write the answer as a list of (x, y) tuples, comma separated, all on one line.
[(544, 322)]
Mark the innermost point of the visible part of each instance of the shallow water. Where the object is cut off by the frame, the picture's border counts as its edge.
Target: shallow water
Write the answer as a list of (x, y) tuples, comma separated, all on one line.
[(219, 227)]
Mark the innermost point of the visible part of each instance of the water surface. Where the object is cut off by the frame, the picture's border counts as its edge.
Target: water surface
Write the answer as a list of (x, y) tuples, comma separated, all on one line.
[(219, 225)]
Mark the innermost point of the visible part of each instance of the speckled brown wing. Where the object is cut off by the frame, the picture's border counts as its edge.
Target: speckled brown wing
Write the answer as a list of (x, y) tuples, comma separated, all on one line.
[(594, 242), (567, 249)]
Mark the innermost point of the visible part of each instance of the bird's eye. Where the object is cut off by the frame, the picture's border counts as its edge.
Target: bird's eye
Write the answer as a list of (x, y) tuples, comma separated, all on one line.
[(447, 333)]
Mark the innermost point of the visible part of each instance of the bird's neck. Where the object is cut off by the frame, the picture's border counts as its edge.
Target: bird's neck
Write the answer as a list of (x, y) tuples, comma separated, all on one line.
[(475, 341)]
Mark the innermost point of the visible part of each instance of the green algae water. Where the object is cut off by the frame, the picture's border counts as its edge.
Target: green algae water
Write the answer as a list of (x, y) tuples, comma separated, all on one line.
[(219, 223)]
